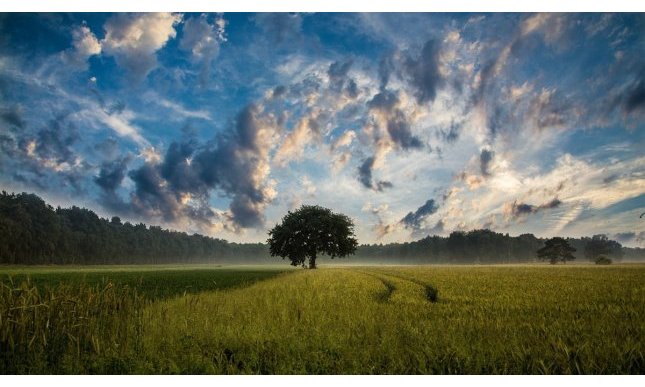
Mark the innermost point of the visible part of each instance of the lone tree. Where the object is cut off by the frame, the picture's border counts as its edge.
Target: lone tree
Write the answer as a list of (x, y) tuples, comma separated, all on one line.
[(556, 249), (311, 230)]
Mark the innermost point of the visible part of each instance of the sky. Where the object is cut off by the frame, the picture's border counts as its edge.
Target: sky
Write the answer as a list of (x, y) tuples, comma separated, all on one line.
[(412, 124)]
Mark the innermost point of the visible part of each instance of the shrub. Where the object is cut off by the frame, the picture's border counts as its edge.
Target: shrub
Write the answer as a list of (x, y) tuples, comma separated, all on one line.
[(602, 260)]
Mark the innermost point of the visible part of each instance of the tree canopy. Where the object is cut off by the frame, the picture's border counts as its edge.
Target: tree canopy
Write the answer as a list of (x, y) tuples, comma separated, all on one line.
[(556, 249), (309, 231), (33, 232), (599, 246)]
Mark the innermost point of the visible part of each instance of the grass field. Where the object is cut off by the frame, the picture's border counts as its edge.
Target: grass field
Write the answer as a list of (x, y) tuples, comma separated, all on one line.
[(342, 320)]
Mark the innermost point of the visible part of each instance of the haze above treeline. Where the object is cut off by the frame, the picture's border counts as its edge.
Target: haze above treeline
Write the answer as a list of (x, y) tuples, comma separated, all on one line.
[(33, 232)]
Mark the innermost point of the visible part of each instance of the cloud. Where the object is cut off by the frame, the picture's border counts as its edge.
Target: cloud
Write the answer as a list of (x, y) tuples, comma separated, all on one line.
[(108, 149), (179, 111), (177, 169), (52, 145), (340, 160), (451, 134), (380, 228), (472, 181), (45, 158), (111, 174), (634, 98), (309, 186), (423, 72), (238, 164), (13, 116), (438, 228), (152, 197), (134, 39), (551, 25), (485, 159), (386, 108), (413, 220), (280, 27), (365, 176), (340, 82), (84, 45), (344, 140), (176, 187), (118, 121), (517, 210), (278, 91), (630, 238), (202, 39), (306, 130)]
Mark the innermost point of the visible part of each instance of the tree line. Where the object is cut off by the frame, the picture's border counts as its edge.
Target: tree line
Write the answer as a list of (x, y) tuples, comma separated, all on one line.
[(33, 232), (486, 247)]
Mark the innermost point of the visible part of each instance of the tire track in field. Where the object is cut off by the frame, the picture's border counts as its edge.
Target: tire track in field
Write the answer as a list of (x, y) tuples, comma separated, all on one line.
[(390, 287), (431, 293)]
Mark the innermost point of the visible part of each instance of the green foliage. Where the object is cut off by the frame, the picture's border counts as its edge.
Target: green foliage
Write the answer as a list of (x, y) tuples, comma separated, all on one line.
[(476, 246), (309, 231), (555, 250), (600, 245), (32, 232), (602, 260)]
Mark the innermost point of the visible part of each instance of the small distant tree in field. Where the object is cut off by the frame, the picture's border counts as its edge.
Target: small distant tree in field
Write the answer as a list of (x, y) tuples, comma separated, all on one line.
[(309, 231), (602, 260), (556, 249)]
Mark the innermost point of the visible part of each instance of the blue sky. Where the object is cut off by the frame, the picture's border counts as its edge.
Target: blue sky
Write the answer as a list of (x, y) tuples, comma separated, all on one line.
[(412, 124)]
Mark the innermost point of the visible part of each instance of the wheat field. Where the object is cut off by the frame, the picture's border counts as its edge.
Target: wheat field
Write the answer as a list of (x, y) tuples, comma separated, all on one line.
[(540, 319)]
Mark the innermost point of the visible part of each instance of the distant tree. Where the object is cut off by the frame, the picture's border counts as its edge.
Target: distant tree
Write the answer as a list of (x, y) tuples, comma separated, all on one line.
[(602, 260), (556, 249), (600, 245), (311, 230)]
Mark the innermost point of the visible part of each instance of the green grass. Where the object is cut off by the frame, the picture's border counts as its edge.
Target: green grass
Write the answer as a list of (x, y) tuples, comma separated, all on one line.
[(409, 320), (153, 282)]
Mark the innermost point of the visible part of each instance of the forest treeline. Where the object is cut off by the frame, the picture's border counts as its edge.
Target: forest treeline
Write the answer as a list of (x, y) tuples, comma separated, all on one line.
[(33, 232), (485, 246)]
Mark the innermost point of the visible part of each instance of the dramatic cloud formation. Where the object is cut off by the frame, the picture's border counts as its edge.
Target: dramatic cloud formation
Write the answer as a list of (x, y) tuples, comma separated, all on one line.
[(202, 40), (134, 39), (84, 45), (424, 73), (219, 123)]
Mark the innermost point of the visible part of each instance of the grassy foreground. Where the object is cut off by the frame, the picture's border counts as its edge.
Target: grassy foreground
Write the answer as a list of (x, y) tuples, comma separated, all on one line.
[(428, 319)]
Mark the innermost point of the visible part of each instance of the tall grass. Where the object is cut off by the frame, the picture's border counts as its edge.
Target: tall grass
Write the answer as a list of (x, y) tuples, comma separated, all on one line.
[(79, 322), (500, 320), (405, 320), (68, 329)]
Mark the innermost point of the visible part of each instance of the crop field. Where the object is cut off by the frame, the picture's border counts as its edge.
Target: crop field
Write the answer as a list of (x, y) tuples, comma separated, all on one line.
[(539, 319)]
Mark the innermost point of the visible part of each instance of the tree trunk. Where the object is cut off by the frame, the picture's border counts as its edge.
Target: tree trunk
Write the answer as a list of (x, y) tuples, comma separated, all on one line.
[(312, 262)]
